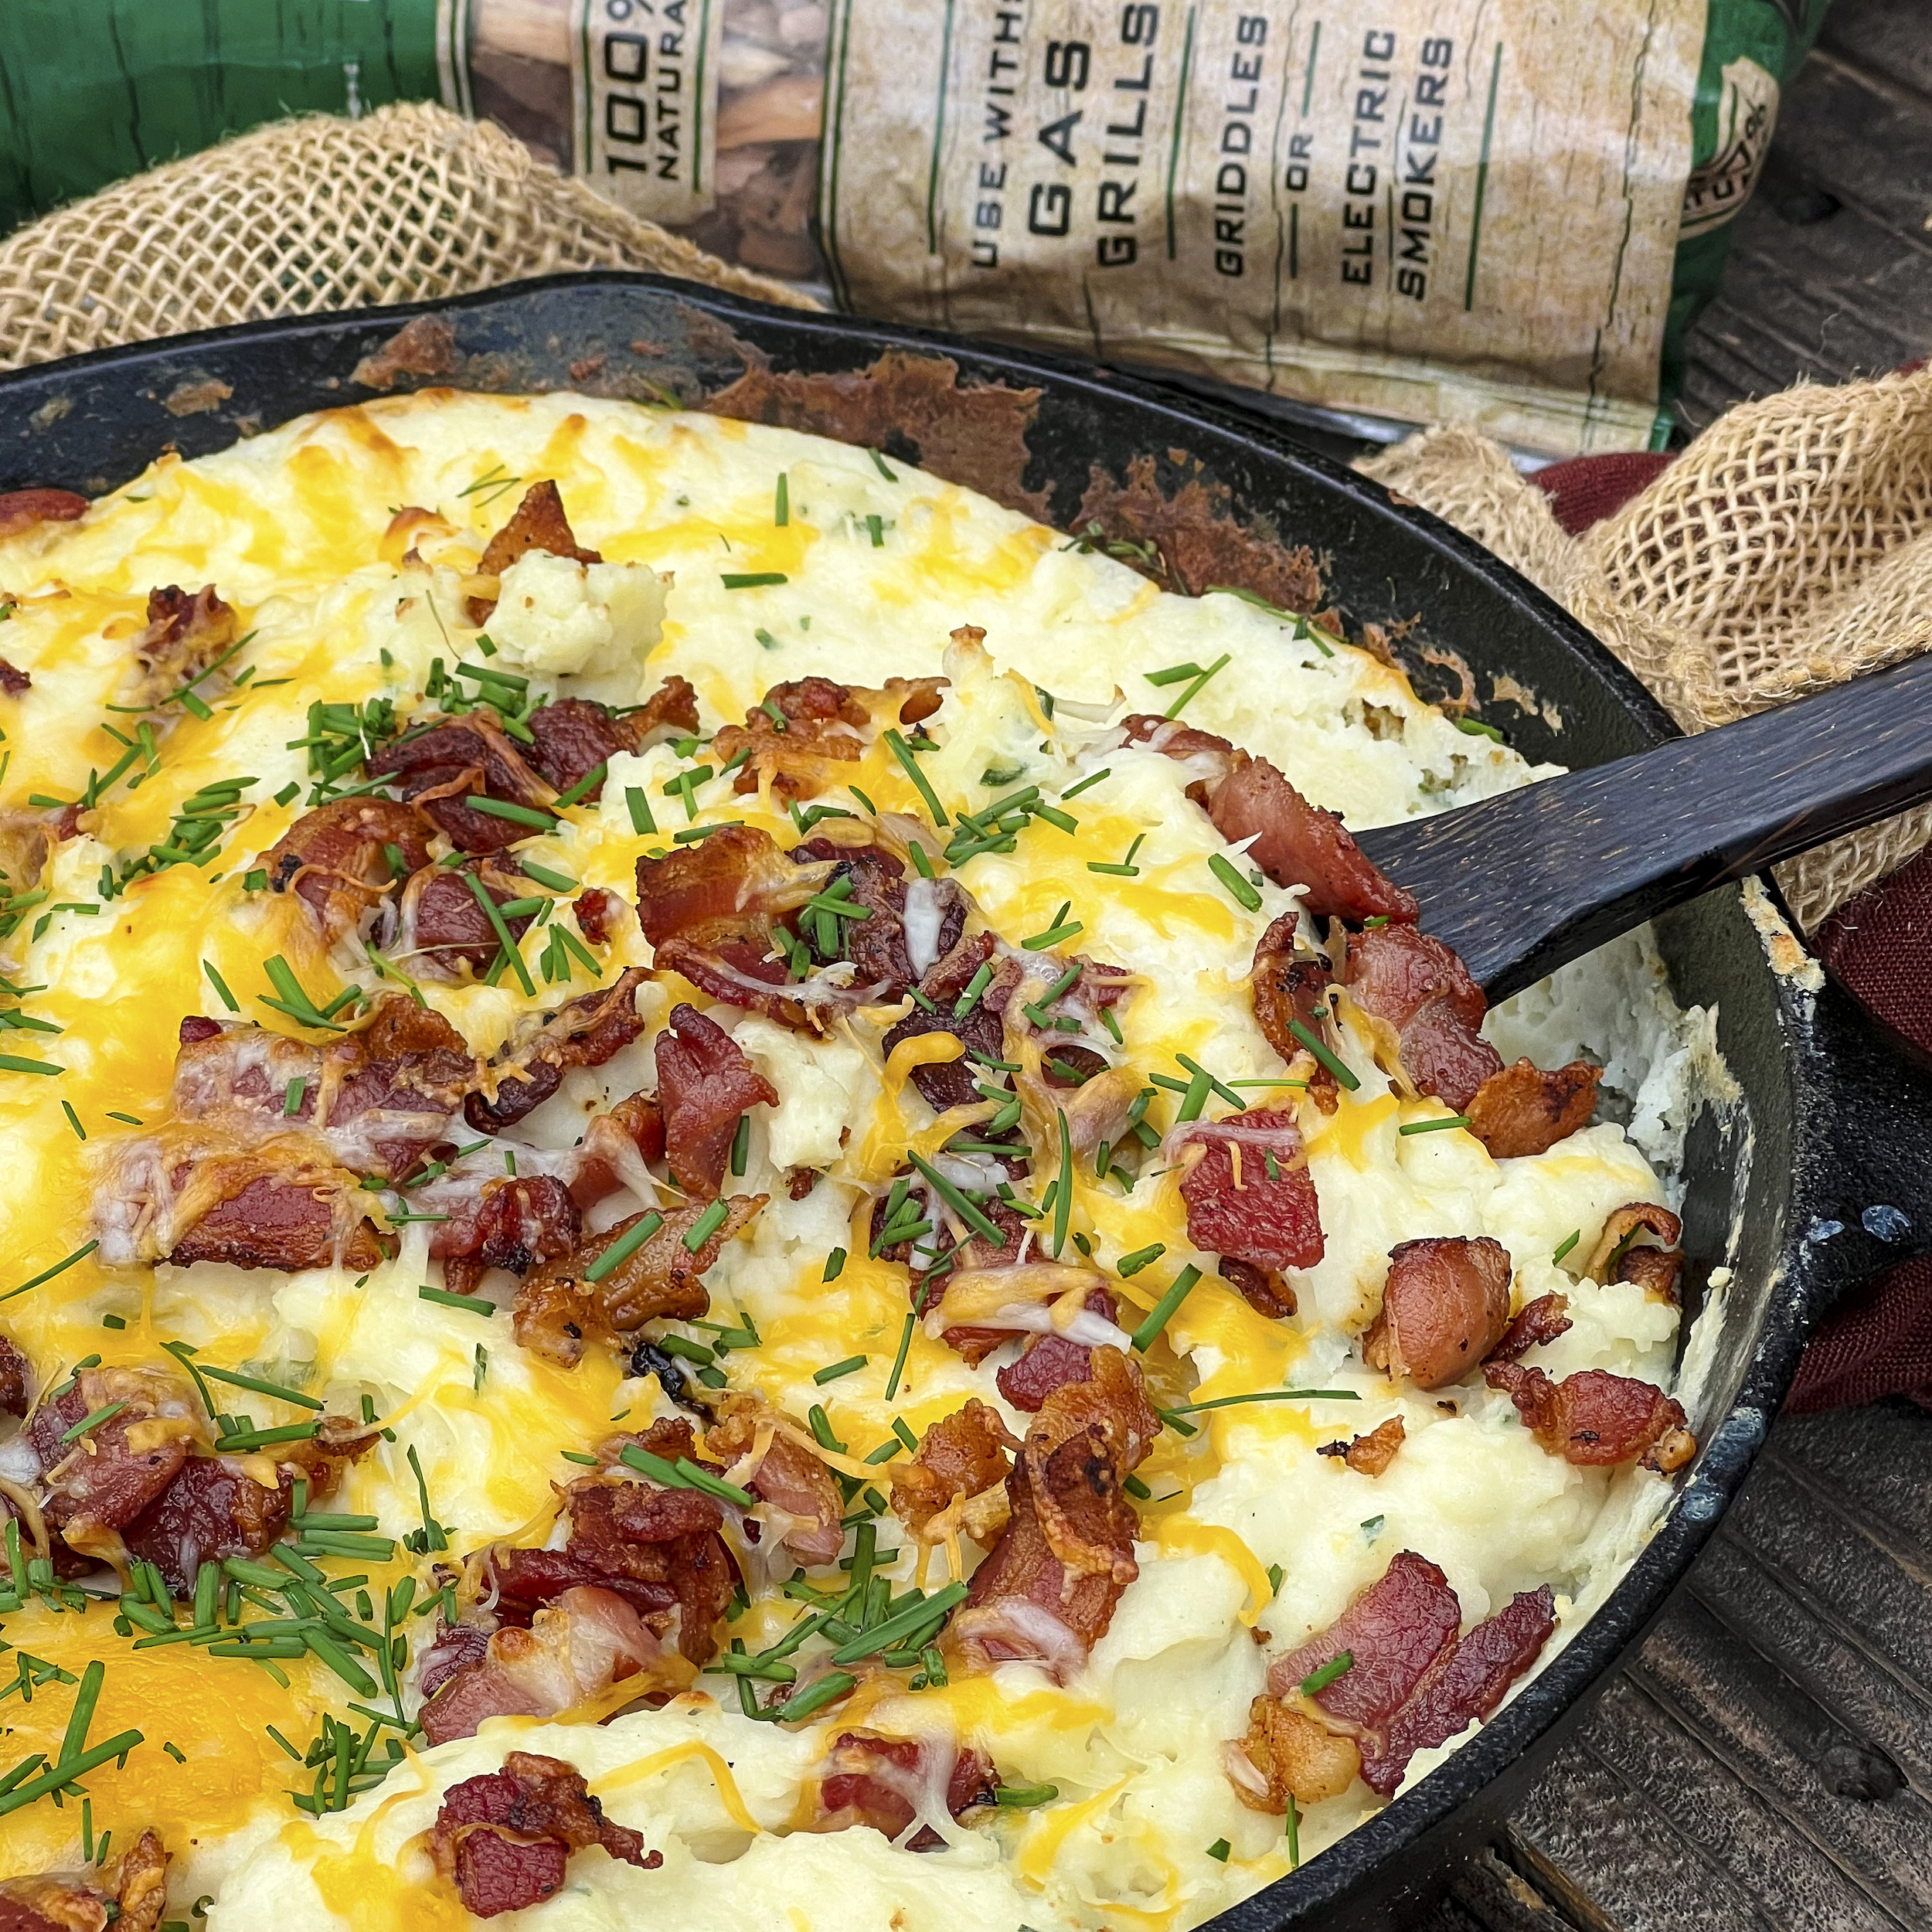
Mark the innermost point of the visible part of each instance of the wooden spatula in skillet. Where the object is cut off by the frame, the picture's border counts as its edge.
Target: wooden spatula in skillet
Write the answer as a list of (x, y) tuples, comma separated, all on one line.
[(1518, 885)]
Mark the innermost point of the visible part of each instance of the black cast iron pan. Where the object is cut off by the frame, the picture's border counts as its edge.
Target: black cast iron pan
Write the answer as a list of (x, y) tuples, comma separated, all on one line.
[(1819, 1175)]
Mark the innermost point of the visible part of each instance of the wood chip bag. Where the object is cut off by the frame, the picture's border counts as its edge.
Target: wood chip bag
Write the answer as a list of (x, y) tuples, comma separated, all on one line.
[(1504, 213)]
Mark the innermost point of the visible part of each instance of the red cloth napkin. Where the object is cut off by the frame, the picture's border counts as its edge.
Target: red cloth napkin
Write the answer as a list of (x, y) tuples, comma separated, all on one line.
[(1879, 1342)]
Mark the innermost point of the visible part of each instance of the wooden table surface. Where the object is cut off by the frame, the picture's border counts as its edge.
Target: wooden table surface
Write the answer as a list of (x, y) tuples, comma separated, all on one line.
[(1766, 1759)]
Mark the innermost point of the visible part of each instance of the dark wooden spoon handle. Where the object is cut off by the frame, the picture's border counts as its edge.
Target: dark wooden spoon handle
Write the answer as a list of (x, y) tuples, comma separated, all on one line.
[(1519, 884)]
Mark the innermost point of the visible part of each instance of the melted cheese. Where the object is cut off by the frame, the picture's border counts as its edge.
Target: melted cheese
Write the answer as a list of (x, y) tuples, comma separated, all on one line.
[(292, 528)]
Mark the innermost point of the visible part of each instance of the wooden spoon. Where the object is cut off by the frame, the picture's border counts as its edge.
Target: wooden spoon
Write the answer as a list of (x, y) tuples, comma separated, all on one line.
[(1519, 884)]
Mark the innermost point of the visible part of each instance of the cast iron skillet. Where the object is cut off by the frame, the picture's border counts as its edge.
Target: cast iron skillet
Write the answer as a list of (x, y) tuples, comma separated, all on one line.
[(1819, 1175)]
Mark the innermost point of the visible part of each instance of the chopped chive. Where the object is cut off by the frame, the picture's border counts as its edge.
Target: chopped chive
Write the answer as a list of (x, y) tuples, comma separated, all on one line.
[(1476, 729), (288, 793), (781, 502), (228, 999), (556, 881), (879, 464), (899, 1368), (1276, 1572), (1174, 674), (901, 1624), (902, 1430), (640, 819), (60, 1267), (1134, 1487), (1193, 690), (628, 1243), (706, 1225), (1129, 1265), (975, 987), (1338, 1665), (741, 1146), (1219, 1850), (1295, 1836), (1025, 1797), (956, 1199), (517, 814), (887, 1451), (133, 1120), (583, 786), (1113, 870), (1061, 928), (904, 753), (698, 1479), (1264, 1394), (1062, 821), (1159, 1316), (1092, 778), (1575, 1235), (235, 1379), (814, 1697), (1196, 1071), (834, 1265), (1434, 1126), (494, 914), (751, 580), (1238, 887), (1064, 1199), (292, 1096), (73, 1119), (876, 525), (476, 1304), (88, 1423), (851, 1365), (1343, 1076)]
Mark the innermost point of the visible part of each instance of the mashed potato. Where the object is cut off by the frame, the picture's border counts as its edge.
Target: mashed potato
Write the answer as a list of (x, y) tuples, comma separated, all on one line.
[(1252, 1540)]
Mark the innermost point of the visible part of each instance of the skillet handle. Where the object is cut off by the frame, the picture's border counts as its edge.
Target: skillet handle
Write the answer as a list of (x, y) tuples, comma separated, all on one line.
[(1864, 1149)]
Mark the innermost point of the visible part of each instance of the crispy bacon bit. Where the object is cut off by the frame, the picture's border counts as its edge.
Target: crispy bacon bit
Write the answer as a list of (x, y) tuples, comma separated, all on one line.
[(21, 510), (539, 523), (530, 1066), (975, 1253), (557, 1310), (1463, 1686), (104, 1479), (617, 1147), (1524, 1110), (1369, 1455), (598, 913), (16, 1380), (574, 736), (1595, 1419), (1266, 1293), (881, 1781), (1047, 1589), (184, 636), (1248, 1192), (440, 765), (1292, 841), (705, 1082), (132, 1901), (1540, 1321), (13, 680), (1423, 992), (1049, 1361), (911, 924), (24, 846), (954, 1481), (1285, 987), (335, 858), (1445, 1305), (798, 1486), (508, 1224), (1288, 1754), (1617, 1257), (277, 1209), (504, 1838), (441, 928), (826, 724)]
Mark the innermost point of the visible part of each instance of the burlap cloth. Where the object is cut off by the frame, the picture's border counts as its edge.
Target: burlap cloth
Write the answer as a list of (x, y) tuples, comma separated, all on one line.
[(1788, 548)]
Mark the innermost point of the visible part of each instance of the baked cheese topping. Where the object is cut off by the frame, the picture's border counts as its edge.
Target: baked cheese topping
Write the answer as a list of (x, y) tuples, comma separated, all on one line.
[(1117, 1718)]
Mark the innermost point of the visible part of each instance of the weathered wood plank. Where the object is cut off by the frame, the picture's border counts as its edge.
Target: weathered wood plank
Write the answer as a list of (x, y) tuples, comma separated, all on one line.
[(1866, 140), (1891, 37)]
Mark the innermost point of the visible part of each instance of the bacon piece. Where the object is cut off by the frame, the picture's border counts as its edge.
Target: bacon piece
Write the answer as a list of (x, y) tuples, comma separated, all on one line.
[(508, 1224), (16, 1380), (1371, 1454), (132, 1900), (1265, 1292), (13, 680), (1444, 1307), (454, 1645), (1292, 841), (975, 1253), (504, 1838), (1617, 1257), (616, 1146), (1541, 1321), (1047, 1589), (1288, 1754), (441, 927), (787, 1476), (335, 858), (530, 1065), (1424, 993), (582, 1641), (1237, 1206), (1595, 1419), (1464, 1684), (1394, 1630), (1049, 1361), (960, 1456), (104, 1479), (538, 523), (1284, 987), (705, 1082), (880, 945), (277, 1209), (441, 763), (1525, 1109), (598, 912), (880, 1781), (184, 636), (826, 726), (574, 736), (557, 1309), (23, 510)]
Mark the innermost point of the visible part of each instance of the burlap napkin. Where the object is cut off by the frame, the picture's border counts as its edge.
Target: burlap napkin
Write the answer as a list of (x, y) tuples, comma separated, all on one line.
[(1787, 549)]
